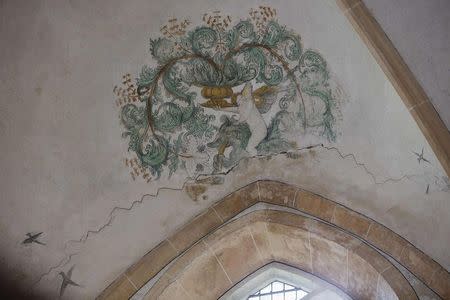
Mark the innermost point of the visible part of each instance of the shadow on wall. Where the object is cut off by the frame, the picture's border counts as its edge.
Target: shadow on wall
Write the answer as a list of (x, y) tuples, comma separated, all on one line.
[(11, 290)]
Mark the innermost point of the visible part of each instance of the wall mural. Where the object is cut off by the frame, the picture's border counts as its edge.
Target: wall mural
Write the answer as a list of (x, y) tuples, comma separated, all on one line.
[(223, 91)]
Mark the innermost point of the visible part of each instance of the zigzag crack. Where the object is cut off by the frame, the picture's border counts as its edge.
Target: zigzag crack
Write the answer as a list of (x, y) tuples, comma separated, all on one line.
[(60, 264), (359, 164), (111, 215)]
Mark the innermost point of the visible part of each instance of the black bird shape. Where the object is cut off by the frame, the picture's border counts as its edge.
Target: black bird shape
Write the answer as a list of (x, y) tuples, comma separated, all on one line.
[(32, 238), (420, 157), (66, 281)]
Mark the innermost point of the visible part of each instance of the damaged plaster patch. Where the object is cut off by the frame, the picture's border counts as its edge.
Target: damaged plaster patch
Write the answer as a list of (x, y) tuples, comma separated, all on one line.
[(197, 190), (194, 191)]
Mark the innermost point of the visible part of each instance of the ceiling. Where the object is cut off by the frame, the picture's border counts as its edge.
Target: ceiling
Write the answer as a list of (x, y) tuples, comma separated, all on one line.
[(64, 159)]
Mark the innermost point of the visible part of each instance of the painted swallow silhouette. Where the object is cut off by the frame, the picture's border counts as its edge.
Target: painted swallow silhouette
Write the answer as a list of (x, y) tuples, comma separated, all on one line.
[(33, 238), (420, 157), (67, 281)]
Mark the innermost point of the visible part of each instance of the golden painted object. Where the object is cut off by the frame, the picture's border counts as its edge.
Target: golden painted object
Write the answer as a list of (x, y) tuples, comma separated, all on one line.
[(222, 149), (218, 92), (217, 103), (258, 94), (216, 96)]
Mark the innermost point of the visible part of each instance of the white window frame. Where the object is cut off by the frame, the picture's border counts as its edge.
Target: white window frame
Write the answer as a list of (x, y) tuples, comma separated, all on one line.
[(316, 288)]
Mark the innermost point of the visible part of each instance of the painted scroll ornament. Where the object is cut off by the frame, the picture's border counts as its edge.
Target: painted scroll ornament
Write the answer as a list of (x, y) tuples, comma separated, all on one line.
[(260, 93)]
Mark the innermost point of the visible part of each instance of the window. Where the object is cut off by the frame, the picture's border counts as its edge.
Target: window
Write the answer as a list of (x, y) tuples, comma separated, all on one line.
[(278, 291), (277, 281)]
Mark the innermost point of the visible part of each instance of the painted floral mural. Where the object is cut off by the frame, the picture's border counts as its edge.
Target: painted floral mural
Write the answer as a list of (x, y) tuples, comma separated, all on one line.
[(223, 91)]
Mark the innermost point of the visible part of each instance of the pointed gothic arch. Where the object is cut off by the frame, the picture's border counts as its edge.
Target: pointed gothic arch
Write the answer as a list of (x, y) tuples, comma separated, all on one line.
[(374, 234), (293, 210), (222, 259), (277, 278)]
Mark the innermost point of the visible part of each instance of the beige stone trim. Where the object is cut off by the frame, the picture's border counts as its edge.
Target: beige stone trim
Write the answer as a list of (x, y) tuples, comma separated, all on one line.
[(401, 77), (348, 221), (119, 289), (295, 238)]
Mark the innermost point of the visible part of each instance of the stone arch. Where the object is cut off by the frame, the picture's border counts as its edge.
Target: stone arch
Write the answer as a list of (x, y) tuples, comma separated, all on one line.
[(274, 271), (309, 215), (220, 260)]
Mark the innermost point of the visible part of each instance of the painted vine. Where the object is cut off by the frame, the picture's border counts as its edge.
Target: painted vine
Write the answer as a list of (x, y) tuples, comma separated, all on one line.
[(170, 127)]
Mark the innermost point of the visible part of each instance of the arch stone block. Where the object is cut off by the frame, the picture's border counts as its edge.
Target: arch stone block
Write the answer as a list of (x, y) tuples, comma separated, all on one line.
[(304, 230), (226, 256)]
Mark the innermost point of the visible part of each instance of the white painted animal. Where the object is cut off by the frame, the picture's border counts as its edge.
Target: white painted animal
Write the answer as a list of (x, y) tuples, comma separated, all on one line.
[(249, 113)]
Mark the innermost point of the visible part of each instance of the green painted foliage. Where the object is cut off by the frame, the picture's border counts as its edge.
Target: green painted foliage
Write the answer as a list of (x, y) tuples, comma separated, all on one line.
[(207, 56)]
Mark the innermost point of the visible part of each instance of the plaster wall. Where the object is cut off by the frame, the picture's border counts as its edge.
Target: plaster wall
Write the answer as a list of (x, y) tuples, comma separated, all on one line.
[(62, 152), (419, 31)]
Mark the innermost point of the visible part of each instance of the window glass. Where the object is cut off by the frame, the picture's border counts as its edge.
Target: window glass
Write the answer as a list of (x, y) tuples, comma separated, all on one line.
[(278, 291)]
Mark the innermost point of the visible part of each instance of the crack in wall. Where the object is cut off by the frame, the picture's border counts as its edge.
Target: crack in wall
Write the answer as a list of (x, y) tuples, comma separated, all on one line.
[(60, 264), (371, 174), (189, 179)]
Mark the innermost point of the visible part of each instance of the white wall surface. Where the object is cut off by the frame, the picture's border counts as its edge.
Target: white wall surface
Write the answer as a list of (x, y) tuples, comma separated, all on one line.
[(61, 147), (420, 30)]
